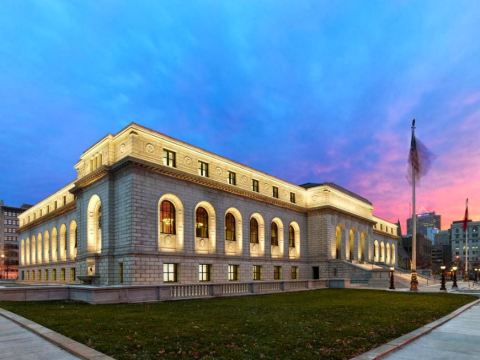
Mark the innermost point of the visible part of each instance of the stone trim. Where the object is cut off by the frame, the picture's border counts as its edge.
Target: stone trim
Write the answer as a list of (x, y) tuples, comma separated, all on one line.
[(394, 237), (331, 209), (50, 216)]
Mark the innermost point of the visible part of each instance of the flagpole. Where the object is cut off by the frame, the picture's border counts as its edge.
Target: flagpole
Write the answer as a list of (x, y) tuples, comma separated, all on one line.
[(414, 281), (465, 277)]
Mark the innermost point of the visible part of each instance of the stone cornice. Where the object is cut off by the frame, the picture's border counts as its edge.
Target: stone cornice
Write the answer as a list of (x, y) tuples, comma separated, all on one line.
[(203, 181), (47, 217), (91, 178), (344, 212), (395, 237)]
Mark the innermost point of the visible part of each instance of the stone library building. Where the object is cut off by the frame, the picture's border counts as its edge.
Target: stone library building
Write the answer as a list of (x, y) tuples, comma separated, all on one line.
[(148, 209)]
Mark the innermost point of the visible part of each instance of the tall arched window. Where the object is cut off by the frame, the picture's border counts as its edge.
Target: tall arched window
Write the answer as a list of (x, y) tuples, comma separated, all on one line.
[(274, 234), (167, 218), (338, 243), (72, 242), (201, 223), (94, 225), (351, 244), (230, 233), (254, 231), (291, 237)]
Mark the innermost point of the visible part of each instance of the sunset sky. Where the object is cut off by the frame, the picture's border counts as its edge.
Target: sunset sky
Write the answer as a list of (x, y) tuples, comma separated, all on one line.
[(309, 91)]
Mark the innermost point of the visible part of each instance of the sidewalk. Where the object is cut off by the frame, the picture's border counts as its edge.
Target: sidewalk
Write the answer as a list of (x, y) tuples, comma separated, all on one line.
[(458, 338), (19, 343)]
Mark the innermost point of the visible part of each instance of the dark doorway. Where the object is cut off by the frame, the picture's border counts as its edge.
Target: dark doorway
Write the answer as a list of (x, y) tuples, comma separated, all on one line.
[(316, 272)]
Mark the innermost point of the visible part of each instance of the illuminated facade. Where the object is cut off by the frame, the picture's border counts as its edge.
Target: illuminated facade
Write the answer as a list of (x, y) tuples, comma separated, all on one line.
[(148, 209)]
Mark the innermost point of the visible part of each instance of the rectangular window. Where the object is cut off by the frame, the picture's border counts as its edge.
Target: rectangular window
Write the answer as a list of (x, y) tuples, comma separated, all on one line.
[(232, 178), (294, 272), (232, 272), (54, 274), (33, 275), (277, 273), (73, 275), (292, 198), (169, 272), (204, 272), (46, 274), (39, 275), (23, 275), (120, 271), (275, 192), (203, 168), (169, 158), (255, 186), (63, 274), (257, 272)]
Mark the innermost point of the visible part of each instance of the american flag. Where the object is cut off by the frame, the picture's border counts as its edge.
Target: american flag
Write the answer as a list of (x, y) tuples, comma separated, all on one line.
[(419, 159), (465, 220)]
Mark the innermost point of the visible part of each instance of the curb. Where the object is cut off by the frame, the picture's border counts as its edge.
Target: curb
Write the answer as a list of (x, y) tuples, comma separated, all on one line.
[(71, 346), (403, 340)]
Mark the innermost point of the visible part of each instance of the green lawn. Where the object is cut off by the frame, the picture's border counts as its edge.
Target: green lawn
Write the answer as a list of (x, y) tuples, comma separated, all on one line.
[(330, 324)]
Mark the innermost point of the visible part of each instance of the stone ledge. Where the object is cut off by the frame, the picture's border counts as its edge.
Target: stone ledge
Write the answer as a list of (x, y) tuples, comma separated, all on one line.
[(63, 342), (403, 340)]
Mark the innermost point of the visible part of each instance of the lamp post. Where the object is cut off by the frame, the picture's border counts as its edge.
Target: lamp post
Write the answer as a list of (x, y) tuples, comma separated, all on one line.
[(3, 266), (476, 274), (454, 285), (442, 287), (392, 285)]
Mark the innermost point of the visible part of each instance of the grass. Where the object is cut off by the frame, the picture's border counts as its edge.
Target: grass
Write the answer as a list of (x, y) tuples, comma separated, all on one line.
[(327, 324)]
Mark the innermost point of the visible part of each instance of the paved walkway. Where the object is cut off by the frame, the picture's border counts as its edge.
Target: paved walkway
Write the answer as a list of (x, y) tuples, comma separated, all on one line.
[(457, 339), (17, 343)]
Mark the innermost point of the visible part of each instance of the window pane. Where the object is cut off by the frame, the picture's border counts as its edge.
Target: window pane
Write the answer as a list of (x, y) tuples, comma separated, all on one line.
[(274, 234), (167, 217), (201, 223), (253, 231), (230, 227)]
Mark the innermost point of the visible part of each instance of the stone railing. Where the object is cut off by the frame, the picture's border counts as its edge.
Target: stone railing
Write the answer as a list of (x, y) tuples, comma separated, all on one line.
[(130, 294)]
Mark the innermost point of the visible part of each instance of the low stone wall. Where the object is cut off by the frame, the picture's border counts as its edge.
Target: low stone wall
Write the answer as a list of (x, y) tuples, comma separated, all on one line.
[(136, 294)]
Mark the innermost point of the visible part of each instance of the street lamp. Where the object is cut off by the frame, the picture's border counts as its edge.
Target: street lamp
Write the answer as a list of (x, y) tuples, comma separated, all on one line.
[(442, 287), (392, 285), (454, 285), (476, 274), (3, 266)]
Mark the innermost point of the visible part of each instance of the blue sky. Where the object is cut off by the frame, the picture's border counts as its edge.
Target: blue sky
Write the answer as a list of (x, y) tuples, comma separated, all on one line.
[(304, 90)]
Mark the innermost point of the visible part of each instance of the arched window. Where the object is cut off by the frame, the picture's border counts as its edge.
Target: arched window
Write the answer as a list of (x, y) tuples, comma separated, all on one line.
[(274, 234), (167, 218), (201, 223), (230, 233), (94, 225), (72, 243), (291, 237), (338, 243), (254, 231), (46, 247)]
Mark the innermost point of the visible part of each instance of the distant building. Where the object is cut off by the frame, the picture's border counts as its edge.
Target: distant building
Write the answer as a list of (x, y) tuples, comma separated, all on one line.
[(442, 238), (457, 238), (9, 240), (441, 250), (427, 224), (424, 252)]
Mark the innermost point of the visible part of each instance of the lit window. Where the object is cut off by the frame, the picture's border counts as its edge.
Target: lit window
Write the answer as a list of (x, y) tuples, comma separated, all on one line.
[(253, 231), (169, 272), (275, 192), (203, 168), (232, 178), (255, 186), (169, 158), (204, 272), (274, 234), (232, 272), (277, 273), (292, 198), (294, 272), (167, 217), (291, 236), (230, 227), (257, 272), (201, 224)]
